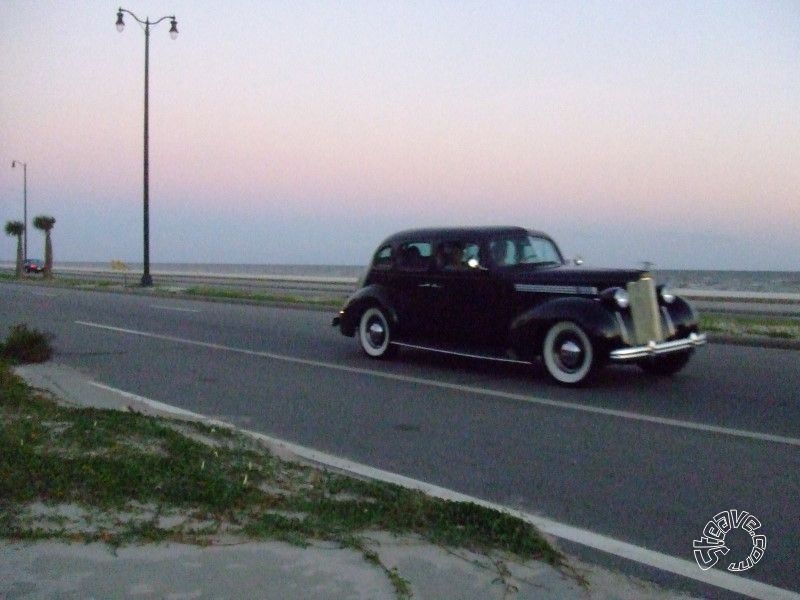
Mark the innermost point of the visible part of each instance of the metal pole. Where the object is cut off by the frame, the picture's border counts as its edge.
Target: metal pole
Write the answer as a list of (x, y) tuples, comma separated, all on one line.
[(147, 280)]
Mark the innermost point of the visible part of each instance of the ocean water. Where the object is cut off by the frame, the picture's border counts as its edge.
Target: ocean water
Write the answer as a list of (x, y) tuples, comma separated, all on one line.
[(744, 281)]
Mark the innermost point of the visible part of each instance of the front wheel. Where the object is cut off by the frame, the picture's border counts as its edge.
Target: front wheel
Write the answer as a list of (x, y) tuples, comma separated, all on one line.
[(568, 354), (666, 365), (375, 334)]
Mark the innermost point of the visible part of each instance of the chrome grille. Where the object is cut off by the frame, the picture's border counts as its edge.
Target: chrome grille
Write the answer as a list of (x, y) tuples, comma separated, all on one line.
[(644, 311)]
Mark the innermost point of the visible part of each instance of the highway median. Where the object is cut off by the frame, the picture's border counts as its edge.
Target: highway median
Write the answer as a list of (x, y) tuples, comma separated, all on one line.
[(753, 328)]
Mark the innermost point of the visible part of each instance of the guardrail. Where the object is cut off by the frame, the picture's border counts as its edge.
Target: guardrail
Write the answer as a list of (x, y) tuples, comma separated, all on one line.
[(734, 296), (341, 287)]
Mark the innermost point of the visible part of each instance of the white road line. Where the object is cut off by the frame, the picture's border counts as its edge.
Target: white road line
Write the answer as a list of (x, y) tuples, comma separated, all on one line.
[(583, 537), (189, 310), (609, 412)]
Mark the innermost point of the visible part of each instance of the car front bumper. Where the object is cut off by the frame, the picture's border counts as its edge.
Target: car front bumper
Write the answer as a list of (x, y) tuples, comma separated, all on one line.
[(657, 348)]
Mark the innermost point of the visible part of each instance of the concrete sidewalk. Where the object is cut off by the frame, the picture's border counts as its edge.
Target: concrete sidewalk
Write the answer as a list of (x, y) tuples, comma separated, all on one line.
[(232, 568), (48, 570)]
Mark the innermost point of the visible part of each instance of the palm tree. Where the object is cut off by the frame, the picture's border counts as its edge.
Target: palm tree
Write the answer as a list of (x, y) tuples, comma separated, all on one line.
[(45, 223), (16, 228)]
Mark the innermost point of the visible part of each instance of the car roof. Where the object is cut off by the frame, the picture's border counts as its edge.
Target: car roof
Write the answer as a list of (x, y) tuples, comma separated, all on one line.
[(438, 233)]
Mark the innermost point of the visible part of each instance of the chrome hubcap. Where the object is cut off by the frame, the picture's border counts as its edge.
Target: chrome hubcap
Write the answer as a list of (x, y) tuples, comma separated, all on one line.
[(377, 334), (570, 355)]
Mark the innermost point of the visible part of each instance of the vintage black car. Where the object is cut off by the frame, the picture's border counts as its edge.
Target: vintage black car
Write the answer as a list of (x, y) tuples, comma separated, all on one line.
[(506, 293)]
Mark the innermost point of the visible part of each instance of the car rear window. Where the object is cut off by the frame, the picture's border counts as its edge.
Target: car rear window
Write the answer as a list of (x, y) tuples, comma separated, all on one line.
[(383, 258)]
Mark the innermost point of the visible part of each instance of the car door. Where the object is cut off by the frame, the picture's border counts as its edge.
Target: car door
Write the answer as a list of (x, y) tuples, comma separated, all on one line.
[(414, 293), (468, 299)]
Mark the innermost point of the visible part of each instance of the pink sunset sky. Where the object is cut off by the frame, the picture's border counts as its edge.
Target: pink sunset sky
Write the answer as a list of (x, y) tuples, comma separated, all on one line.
[(305, 132)]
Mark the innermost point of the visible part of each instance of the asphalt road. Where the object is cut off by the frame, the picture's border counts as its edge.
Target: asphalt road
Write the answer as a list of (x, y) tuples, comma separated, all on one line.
[(646, 461)]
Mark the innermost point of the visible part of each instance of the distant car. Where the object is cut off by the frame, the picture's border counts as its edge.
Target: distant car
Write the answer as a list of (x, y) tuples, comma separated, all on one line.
[(33, 265), (507, 294)]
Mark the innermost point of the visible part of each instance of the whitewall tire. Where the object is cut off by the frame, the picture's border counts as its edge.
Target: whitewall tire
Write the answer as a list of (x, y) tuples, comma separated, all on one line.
[(375, 334), (568, 354)]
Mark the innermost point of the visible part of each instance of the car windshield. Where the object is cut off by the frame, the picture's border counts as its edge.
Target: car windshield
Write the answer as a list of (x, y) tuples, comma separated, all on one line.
[(524, 250)]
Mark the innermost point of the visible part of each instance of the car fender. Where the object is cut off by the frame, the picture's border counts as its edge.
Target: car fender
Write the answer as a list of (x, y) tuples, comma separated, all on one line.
[(363, 298), (684, 317), (529, 328)]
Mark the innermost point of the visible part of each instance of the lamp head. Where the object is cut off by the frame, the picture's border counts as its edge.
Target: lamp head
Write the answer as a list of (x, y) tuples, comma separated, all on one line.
[(120, 22), (173, 30)]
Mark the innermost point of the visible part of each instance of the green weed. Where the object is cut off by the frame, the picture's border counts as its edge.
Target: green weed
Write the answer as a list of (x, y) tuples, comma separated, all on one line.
[(26, 345)]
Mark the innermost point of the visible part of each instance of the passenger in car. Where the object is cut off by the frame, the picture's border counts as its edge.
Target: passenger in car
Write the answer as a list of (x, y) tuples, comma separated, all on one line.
[(450, 256), (410, 257), (499, 252)]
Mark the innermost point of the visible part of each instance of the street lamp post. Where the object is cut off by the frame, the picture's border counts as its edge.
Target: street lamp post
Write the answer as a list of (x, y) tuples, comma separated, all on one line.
[(14, 163), (147, 280)]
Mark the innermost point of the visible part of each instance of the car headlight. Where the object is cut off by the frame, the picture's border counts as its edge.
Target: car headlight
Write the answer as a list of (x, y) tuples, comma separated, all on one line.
[(666, 295), (617, 296)]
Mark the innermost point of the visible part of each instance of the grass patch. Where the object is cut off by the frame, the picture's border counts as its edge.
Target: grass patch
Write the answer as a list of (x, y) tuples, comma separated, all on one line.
[(86, 474), (233, 294), (200, 292), (778, 328)]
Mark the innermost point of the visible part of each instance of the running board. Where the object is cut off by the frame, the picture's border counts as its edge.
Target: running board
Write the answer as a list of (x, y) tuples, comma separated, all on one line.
[(462, 354)]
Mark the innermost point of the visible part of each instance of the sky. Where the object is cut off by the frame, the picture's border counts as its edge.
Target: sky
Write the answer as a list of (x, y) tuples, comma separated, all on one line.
[(306, 132)]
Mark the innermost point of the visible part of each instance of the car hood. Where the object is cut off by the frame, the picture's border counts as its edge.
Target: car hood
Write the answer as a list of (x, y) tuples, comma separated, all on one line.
[(576, 276)]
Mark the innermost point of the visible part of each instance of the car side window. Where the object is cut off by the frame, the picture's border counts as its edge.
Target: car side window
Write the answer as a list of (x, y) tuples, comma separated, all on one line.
[(457, 256), (414, 256), (540, 251), (383, 258), (503, 252), (528, 250)]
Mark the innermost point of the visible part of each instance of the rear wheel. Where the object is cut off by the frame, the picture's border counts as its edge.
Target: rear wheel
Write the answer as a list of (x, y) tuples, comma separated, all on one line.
[(568, 354), (666, 365), (375, 334)]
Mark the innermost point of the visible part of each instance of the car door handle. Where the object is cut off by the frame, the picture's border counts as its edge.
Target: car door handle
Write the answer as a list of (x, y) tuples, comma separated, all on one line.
[(433, 286)]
